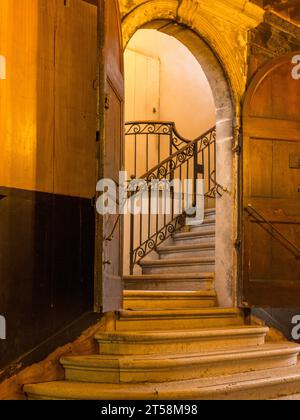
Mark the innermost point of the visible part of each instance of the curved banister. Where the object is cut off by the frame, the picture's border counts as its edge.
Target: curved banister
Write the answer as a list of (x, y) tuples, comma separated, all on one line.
[(181, 156)]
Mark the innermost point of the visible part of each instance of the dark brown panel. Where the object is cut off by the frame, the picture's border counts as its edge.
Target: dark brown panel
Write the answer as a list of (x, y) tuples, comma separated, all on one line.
[(46, 266)]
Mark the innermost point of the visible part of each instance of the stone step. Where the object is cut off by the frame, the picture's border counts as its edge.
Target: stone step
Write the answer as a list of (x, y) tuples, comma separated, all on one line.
[(208, 222), (187, 251), (182, 265), (178, 367), (196, 237), (210, 212), (170, 282), (183, 342), (259, 385), (153, 299), (179, 319)]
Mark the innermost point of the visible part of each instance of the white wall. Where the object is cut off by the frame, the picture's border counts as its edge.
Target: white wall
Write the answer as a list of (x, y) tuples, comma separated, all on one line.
[(185, 95)]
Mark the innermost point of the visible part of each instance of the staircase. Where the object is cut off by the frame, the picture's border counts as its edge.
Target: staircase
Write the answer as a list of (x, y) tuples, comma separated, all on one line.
[(172, 341)]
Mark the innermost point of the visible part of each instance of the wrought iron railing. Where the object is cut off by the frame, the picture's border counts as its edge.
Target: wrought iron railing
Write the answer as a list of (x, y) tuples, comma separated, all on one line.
[(186, 160), (272, 230), (151, 143)]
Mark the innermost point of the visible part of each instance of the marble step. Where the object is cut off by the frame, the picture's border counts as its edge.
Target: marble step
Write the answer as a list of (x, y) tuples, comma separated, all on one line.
[(195, 225), (179, 319), (179, 265), (170, 282), (187, 251), (209, 213), (195, 237), (179, 341), (178, 367), (259, 385), (153, 299)]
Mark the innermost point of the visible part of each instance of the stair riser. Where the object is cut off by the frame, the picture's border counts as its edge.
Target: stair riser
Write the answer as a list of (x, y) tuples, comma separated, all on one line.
[(197, 240), (175, 324), (186, 254), (152, 304), (181, 371), (266, 391), (202, 229), (169, 285), (182, 347), (175, 269)]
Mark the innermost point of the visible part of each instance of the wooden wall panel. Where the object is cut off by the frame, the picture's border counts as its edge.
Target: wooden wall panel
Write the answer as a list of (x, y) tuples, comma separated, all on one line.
[(261, 155), (277, 95), (76, 100), (48, 101), (26, 96)]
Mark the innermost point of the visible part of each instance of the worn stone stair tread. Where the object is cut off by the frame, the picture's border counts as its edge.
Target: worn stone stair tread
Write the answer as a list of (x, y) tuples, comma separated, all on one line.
[(170, 281), (153, 299), (194, 234), (293, 397), (184, 313), (208, 220), (177, 360), (183, 334), (210, 211), (171, 276), (161, 294), (174, 367), (181, 248), (258, 385), (178, 261)]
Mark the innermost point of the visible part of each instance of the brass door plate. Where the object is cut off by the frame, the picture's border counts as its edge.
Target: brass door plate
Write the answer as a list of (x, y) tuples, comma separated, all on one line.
[(294, 161)]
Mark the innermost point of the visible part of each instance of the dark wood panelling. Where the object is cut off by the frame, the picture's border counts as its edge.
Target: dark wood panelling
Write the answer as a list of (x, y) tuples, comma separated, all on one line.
[(271, 271), (46, 266)]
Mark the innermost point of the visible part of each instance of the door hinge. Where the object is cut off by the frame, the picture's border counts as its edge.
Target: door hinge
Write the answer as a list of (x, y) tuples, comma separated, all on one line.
[(106, 104), (237, 148), (238, 244), (97, 136)]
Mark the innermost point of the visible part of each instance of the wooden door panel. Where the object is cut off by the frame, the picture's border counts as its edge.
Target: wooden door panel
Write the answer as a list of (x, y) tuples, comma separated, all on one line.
[(271, 186), (112, 132), (75, 100)]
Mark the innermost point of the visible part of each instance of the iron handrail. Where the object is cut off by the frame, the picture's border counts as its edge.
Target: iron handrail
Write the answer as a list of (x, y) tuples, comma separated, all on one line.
[(217, 189), (173, 162), (282, 238), (195, 157)]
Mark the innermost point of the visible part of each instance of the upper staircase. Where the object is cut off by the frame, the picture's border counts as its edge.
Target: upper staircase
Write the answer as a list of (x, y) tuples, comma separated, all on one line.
[(173, 342)]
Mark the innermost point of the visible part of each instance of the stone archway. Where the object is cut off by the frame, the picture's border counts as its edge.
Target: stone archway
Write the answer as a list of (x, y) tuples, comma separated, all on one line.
[(225, 70)]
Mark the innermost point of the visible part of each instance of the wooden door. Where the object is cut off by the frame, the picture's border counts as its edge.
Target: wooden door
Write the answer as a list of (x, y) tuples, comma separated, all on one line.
[(271, 187), (110, 290)]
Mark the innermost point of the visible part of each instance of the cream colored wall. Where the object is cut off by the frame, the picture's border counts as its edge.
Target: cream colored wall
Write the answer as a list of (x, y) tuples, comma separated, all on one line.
[(185, 95)]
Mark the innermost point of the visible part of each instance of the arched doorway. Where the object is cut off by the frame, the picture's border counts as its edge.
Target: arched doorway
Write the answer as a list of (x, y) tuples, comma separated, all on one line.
[(227, 161)]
